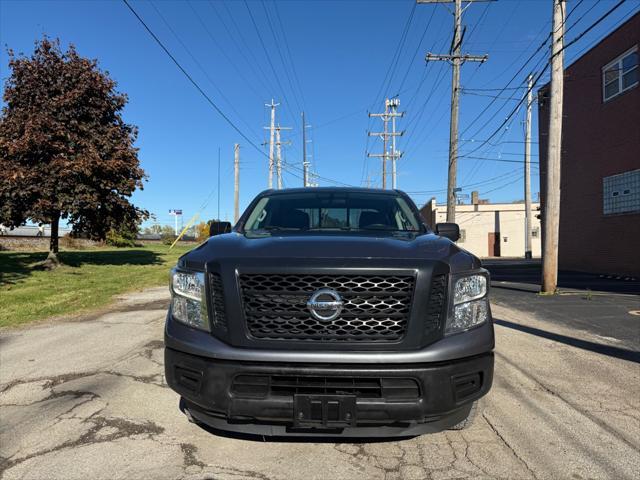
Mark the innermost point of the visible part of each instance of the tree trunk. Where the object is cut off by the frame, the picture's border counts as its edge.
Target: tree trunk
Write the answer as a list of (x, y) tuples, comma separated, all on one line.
[(53, 244), (52, 260)]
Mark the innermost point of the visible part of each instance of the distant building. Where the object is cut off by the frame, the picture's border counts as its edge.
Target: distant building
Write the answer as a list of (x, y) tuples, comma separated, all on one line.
[(489, 229), (600, 176)]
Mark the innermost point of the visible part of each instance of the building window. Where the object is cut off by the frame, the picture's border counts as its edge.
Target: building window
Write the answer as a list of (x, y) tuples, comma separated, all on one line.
[(620, 75), (621, 193), (463, 236), (535, 232)]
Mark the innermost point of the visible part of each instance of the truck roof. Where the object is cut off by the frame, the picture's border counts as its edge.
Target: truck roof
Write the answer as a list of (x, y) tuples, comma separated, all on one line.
[(332, 189)]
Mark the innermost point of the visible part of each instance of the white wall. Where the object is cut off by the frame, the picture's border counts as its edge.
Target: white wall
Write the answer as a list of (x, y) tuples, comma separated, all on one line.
[(478, 221)]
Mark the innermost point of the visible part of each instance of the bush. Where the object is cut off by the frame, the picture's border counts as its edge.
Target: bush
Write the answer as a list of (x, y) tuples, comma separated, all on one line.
[(70, 242), (168, 238), (116, 239)]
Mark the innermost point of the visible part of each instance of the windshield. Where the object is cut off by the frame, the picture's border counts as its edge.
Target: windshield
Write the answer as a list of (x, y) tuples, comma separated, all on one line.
[(332, 211)]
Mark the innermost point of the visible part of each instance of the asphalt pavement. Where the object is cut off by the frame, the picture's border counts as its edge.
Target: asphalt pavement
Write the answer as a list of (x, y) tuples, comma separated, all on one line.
[(604, 306), (86, 398)]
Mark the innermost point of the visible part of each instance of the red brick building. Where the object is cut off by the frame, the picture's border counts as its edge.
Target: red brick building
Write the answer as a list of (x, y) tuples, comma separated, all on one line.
[(600, 175)]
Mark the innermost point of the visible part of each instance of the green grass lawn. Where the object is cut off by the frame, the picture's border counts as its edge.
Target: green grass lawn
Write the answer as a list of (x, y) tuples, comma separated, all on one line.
[(88, 279)]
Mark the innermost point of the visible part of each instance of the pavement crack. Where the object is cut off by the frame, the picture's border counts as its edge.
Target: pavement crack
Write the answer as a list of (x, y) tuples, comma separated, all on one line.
[(582, 411), (189, 452), (508, 445), (119, 427)]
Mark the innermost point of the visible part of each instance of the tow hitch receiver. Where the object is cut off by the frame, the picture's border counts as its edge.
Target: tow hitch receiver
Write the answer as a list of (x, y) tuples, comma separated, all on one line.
[(324, 410)]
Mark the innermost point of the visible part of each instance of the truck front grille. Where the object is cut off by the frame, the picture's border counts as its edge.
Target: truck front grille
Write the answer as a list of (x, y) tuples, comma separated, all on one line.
[(219, 314), (436, 305), (376, 307), (260, 386)]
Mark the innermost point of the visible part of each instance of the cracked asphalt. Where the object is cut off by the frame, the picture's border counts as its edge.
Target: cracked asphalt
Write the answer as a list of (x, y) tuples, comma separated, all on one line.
[(87, 399)]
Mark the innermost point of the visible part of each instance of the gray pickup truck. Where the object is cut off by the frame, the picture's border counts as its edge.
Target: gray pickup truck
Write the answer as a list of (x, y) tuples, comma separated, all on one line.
[(330, 311)]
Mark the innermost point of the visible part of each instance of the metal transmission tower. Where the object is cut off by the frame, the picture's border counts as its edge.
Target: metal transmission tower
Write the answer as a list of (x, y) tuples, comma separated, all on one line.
[(456, 58), (272, 129), (551, 212), (390, 114)]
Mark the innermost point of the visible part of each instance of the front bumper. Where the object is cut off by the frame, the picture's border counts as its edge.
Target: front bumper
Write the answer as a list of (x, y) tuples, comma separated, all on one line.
[(443, 397)]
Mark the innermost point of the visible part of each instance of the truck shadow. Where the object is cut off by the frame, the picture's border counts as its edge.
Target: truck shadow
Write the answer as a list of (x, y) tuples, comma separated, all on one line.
[(609, 350)]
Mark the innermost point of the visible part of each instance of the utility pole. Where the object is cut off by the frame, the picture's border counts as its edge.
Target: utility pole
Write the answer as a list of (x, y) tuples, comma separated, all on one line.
[(394, 103), (551, 213), (390, 112), (279, 144), (272, 129), (305, 164), (279, 158), (527, 171), (456, 58), (218, 184), (236, 182)]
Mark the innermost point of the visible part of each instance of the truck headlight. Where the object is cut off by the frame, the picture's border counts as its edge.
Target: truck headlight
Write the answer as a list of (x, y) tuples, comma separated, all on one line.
[(188, 299), (470, 303)]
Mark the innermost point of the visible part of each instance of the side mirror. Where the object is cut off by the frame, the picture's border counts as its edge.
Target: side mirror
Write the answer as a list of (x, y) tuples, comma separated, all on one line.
[(218, 228), (448, 230)]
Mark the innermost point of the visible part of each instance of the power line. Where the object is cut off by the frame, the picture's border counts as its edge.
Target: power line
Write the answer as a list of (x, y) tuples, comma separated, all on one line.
[(539, 75), (259, 75), (222, 50), (207, 97), (286, 43), (590, 27), (415, 53), (266, 52), (477, 117), (190, 78), (469, 185), (198, 64), (279, 50)]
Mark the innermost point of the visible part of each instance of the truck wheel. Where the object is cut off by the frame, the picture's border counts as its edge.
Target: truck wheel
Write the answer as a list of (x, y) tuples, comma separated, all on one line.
[(467, 422)]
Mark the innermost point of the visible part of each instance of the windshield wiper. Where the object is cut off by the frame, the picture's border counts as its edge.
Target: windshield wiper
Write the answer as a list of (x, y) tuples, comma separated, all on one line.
[(276, 228)]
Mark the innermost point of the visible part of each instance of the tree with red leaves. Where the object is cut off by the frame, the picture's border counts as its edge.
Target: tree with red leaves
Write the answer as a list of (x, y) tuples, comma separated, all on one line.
[(65, 151)]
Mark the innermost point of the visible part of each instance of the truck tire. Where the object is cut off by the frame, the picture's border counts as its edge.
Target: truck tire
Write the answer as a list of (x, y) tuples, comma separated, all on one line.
[(467, 422)]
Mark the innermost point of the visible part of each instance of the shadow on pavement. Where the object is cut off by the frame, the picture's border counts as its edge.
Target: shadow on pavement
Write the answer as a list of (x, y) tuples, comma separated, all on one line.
[(527, 272), (609, 350)]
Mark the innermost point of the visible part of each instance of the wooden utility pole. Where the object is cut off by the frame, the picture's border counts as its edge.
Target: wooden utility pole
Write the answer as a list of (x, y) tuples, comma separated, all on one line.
[(527, 171), (305, 164), (272, 129), (551, 213), (236, 182), (456, 58)]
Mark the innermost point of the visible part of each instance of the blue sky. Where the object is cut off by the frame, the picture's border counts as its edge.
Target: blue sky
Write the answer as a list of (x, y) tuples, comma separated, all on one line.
[(336, 55)]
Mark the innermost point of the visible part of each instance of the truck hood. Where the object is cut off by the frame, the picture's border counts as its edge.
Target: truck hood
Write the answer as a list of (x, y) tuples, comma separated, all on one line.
[(307, 246)]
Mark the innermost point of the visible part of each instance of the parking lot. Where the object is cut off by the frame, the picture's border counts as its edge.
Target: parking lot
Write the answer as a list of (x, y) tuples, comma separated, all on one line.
[(86, 398)]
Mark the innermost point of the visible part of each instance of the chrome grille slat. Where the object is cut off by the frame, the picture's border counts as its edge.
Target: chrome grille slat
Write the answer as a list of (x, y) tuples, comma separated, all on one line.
[(376, 307)]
